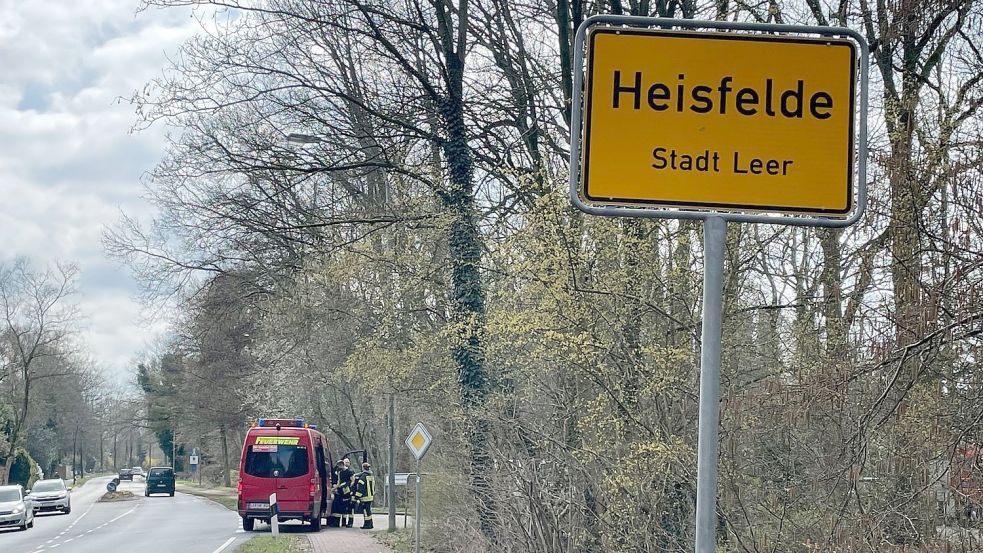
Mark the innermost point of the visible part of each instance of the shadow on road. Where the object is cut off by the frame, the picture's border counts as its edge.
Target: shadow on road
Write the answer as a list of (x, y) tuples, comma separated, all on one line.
[(292, 527)]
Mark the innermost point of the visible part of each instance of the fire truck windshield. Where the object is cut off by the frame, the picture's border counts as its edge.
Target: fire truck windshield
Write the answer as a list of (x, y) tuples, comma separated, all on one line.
[(276, 461)]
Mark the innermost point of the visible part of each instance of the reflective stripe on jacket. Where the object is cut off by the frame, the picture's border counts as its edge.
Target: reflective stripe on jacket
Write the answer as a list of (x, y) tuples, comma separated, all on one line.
[(365, 486)]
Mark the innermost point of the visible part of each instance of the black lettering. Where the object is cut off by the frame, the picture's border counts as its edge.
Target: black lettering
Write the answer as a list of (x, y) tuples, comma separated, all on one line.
[(680, 93), (815, 105), (747, 96), (663, 95), (701, 95), (793, 95), (636, 90), (660, 162), (724, 88), (737, 164), (686, 162), (703, 161), (769, 107)]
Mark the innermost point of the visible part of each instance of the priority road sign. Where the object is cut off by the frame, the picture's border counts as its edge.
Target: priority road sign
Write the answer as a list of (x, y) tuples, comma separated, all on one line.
[(419, 441)]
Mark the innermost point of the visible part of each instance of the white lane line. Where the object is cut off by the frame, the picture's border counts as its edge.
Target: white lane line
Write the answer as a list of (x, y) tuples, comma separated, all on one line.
[(121, 516), (224, 545), (69, 540), (76, 521)]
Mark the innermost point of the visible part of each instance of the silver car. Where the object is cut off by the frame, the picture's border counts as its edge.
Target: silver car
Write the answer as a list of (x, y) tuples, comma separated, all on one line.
[(15, 508), (51, 495)]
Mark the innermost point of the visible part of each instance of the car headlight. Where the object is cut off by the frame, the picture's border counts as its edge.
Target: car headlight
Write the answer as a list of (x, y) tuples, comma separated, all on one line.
[(19, 509)]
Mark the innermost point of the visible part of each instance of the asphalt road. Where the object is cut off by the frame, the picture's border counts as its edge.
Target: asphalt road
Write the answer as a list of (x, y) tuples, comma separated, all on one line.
[(156, 524)]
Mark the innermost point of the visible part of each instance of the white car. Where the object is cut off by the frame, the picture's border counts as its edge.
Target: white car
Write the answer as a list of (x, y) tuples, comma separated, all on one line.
[(51, 495), (15, 508)]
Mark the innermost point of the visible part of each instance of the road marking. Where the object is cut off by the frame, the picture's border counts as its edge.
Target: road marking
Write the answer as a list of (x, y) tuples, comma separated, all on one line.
[(224, 545), (121, 516), (76, 521)]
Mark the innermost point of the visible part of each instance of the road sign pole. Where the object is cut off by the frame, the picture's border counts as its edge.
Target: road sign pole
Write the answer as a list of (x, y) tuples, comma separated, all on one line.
[(418, 443), (417, 512), (714, 237), (391, 477)]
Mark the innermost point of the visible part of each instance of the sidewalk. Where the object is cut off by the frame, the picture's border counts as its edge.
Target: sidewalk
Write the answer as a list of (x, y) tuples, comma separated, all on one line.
[(347, 540)]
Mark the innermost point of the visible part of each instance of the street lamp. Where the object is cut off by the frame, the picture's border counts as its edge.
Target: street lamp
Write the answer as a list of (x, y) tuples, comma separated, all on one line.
[(301, 138)]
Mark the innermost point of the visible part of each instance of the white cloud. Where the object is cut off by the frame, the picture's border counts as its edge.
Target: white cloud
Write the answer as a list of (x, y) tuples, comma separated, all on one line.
[(68, 162)]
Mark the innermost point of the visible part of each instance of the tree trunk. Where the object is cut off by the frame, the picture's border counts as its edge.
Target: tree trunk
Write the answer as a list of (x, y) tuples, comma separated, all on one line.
[(469, 294), (832, 283), (75, 441), (226, 472)]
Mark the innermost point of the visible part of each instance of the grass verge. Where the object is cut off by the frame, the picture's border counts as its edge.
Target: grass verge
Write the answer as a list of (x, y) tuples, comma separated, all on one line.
[(283, 544), (400, 541), (81, 481), (225, 497)]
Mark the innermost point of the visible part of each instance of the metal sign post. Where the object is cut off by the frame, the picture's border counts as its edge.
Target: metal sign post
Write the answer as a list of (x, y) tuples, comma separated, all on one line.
[(684, 119), (714, 238), (418, 443), (416, 513)]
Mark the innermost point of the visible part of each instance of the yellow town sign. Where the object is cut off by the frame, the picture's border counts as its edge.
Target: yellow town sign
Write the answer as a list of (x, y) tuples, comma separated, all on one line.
[(718, 120)]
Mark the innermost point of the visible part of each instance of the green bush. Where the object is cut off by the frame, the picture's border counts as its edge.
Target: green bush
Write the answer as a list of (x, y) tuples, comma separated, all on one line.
[(25, 470)]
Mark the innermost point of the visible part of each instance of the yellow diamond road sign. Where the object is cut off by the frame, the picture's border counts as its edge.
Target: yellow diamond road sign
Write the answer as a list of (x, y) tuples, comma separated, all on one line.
[(721, 121), (419, 441)]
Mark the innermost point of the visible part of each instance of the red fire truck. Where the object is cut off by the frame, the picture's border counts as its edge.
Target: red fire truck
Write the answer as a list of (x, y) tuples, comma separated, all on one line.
[(288, 458)]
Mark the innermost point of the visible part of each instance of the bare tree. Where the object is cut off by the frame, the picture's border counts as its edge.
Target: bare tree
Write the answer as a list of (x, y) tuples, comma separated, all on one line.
[(38, 319)]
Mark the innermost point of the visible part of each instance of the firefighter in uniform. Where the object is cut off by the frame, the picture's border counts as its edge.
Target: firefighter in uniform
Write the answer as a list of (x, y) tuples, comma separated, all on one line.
[(364, 492), (341, 506), (347, 477), (338, 503)]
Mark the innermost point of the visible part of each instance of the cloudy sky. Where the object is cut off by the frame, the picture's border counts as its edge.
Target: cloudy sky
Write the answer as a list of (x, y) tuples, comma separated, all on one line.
[(69, 164)]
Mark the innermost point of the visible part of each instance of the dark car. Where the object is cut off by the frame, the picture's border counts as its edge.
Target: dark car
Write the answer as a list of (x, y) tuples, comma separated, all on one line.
[(160, 480), (126, 474)]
